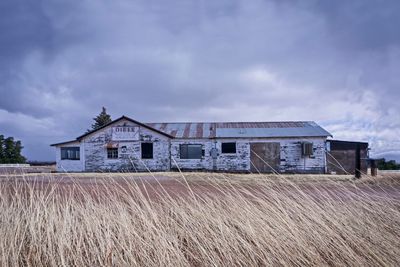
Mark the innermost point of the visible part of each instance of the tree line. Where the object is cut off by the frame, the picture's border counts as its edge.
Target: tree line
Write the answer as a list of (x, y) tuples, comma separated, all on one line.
[(388, 165), (10, 150)]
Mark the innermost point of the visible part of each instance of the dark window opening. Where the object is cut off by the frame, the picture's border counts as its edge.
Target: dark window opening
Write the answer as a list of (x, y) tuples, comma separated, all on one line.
[(112, 153), (190, 151), (307, 149), (71, 153), (228, 148), (147, 150)]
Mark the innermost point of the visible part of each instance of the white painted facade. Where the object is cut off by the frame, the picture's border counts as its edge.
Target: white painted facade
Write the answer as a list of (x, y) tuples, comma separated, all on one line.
[(290, 155), (166, 152), (70, 165)]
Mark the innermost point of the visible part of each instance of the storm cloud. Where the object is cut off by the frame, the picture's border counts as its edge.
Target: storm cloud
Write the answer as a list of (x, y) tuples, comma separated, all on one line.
[(334, 62)]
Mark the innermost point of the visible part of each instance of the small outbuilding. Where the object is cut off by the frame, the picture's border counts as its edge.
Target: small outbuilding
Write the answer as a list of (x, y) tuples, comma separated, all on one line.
[(129, 145), (347, 157)]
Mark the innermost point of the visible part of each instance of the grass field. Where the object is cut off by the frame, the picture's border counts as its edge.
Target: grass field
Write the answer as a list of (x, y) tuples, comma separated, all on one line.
[(199, 219)]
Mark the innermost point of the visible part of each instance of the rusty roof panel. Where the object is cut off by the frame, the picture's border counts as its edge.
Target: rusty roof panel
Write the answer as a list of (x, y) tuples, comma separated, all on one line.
[(188, 130), (199, 130), (206, 130)]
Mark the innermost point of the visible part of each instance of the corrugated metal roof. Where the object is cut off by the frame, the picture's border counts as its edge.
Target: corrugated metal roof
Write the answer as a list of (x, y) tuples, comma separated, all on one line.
[(240, 129), (186, 129)]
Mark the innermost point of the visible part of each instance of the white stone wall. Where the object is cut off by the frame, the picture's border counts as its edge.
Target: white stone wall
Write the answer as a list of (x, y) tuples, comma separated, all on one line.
[(191, 164), (96, 151), (67, 165), (291, 158)]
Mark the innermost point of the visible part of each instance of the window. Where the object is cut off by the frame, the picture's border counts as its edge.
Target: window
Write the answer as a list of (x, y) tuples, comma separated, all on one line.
[(71, 153), (147, 150), (307, 149), (228, 148), (112, 153), (189, 151)]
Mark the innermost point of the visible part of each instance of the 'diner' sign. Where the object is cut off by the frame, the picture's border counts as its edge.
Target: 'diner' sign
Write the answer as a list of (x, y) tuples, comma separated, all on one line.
[(125, 133)]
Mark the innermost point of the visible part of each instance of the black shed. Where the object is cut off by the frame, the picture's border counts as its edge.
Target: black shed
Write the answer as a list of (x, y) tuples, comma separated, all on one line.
[(346, 157)]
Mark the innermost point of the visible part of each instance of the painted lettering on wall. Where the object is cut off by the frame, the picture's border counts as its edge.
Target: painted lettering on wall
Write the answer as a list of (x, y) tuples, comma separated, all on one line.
[(125, 133)]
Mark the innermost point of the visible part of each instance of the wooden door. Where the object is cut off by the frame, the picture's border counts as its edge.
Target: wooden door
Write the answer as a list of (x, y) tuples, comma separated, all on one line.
[(265, 157)]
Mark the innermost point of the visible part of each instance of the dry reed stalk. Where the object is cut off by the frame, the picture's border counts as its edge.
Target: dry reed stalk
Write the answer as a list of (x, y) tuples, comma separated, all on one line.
[(217, 220)]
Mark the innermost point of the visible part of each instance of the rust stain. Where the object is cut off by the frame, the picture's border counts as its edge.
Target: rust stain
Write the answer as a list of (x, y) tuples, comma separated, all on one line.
[(212, 130), (173, 133), (199, 130), (186, 132)]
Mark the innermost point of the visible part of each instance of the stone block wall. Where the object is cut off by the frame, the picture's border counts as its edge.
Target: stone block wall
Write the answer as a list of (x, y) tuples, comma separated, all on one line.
[(96, 152)]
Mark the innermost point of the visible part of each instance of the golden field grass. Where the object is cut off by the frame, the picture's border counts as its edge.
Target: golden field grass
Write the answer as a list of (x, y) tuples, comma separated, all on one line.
[(199, 219)]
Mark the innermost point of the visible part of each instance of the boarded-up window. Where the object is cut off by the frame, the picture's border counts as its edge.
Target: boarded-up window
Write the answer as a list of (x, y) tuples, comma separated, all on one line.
[(307, 149), (191, 151), (147, 150), (70, 153), (112, 153), (228, 148), (265, 157)]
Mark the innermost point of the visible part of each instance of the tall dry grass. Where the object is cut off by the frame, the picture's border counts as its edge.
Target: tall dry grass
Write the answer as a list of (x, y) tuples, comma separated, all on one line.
[(215, 222)]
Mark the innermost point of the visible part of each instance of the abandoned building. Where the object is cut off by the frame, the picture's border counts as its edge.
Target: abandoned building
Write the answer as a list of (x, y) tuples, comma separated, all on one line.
[(128, 145), (344, 157)]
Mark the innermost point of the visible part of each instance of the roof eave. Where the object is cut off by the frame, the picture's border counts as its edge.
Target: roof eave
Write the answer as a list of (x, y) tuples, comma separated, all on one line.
[(64, 143), (79, 138)]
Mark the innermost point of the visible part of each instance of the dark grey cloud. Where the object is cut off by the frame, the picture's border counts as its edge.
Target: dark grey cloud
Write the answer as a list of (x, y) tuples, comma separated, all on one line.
[(335, 62)]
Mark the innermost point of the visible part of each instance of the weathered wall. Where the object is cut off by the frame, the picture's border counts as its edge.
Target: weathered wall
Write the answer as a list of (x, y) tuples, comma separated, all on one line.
[(344, 161), (70, 165), (293, 161), (191, 164), (224, 162), (96, 151), (290, 155), (234, 162)]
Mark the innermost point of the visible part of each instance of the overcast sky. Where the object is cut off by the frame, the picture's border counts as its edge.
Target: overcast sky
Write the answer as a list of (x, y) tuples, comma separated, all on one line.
[(333, 62)]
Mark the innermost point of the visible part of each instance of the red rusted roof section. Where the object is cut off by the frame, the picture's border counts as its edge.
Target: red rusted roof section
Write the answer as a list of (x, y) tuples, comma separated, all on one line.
[(207, 130), (199, 130), (173, 133), (186, 132), (210, 129)]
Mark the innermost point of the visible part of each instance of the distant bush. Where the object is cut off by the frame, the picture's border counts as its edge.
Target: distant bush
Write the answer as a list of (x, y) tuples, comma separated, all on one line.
[(388, 165)]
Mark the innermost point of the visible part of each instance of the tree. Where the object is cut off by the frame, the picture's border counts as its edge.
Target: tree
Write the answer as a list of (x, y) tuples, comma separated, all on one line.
[(1, 148), (102, 119), (17, 153), (10, 150)]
